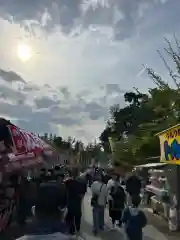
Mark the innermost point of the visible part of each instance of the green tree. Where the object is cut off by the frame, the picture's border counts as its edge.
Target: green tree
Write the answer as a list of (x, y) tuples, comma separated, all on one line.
[(134, 126), (58, 142), (104, 138)]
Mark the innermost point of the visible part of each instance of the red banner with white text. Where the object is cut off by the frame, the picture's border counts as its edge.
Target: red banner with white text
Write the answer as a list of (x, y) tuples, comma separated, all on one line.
[(25, 142), (27, 149)]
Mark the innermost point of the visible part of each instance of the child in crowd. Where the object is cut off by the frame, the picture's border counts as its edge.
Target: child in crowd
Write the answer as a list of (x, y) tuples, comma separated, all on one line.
[(134, 220)]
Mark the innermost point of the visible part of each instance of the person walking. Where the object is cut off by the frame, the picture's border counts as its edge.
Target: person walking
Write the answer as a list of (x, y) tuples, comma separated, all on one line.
[(117, 203), (98, 202), (134, 220), (76, 190), (133, 187), (106, 177), (48, 222), (111, 182), (23, 200), (89, 176)]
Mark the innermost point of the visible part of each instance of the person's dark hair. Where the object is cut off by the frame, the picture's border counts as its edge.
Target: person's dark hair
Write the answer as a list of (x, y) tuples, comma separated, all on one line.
[(47, 178), (50, 201), (60, 175), (73, 172), (57, 168), (14, 179), (98, 176), (136, 200), (51, 171), (103, 179), (70, 172), (116, 164)]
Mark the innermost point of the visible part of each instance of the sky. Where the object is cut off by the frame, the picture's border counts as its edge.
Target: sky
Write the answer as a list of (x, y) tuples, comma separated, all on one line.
[(83, 55)]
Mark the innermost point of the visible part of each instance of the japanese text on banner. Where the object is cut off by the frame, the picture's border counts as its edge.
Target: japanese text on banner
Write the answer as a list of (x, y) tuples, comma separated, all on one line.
[(170, 145), (25, 142), (18, 141)]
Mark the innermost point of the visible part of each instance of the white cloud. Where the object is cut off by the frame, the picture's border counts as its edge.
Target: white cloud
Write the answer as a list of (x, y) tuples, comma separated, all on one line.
[(34, 108)]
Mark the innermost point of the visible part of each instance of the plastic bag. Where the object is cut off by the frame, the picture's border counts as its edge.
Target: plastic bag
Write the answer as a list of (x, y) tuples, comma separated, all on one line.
[(173, 221)]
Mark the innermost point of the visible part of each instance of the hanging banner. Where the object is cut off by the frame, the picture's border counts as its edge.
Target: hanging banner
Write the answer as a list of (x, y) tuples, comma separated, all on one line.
[(170, 145), (25, 142), (18, 141)]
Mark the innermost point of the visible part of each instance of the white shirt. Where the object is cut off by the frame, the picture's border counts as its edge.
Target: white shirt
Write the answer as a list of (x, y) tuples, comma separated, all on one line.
[(101, 190), (110, 184)]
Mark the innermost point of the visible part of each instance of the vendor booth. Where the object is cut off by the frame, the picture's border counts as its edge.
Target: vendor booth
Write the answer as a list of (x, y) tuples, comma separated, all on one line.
[(20, 152), (170, 154), (162, 180)]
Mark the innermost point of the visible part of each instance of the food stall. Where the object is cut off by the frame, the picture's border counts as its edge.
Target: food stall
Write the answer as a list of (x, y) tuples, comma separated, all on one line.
[(19, 151), (170, 154), (143, 170), (157, 192)]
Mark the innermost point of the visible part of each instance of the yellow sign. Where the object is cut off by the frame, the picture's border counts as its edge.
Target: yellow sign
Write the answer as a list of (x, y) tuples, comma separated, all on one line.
[(170, 145)]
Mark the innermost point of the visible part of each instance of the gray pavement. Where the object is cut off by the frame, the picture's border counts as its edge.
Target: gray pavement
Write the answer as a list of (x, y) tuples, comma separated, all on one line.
[(87, 224), (150, 232)]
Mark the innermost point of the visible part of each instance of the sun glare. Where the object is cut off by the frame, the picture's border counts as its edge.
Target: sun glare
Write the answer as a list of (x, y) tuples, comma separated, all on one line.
[(24, 52)]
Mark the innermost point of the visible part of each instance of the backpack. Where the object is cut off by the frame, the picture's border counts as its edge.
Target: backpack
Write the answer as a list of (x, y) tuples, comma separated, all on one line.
[(95, 197), (118, 196), (136, 220)]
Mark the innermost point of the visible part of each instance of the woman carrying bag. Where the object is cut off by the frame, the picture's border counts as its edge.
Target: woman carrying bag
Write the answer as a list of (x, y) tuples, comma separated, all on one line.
[(98, 203), (117, 203)]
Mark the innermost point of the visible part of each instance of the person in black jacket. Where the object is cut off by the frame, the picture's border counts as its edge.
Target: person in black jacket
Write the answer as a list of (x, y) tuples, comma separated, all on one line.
[(76, 190), (133, 185), (54, 194), (49, 212), (106, 177), (117, 202)]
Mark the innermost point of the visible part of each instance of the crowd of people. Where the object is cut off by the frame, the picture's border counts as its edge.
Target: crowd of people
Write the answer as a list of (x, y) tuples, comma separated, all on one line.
[(56, 203), (55, 197), (123, 199)]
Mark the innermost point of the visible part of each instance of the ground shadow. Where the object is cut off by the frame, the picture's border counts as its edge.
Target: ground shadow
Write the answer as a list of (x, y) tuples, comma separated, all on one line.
[(107, 234), (112, 234), (147, 238)]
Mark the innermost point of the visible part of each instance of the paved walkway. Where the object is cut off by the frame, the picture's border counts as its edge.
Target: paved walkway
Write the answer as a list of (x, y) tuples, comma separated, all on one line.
[(150, 232)]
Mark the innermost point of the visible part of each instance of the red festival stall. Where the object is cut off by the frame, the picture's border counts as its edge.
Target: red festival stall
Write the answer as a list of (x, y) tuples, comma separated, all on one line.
[(19, 150), (28, 149)]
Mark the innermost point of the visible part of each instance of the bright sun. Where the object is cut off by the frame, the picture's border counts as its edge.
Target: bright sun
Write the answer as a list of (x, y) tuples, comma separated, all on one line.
[(24, 52)]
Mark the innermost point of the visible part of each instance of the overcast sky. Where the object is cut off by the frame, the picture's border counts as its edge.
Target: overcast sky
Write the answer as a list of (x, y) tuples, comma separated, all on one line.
[(85, 54)]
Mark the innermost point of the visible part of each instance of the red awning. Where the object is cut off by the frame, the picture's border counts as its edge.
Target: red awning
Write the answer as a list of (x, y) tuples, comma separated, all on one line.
[(27, 149)]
